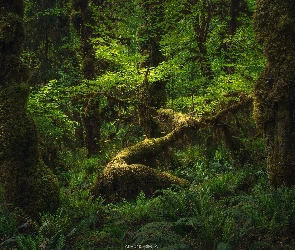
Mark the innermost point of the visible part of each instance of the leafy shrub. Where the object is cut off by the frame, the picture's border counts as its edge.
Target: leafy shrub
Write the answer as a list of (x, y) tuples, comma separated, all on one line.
[(48, 107)]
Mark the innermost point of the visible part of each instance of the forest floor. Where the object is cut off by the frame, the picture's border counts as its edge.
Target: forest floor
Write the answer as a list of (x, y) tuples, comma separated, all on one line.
[(224, 208)]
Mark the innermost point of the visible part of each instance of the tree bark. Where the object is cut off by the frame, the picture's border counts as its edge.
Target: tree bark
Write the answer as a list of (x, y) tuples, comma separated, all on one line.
[(274, 102), (234, 12), (153, 94), (91, 119), (26, 181)]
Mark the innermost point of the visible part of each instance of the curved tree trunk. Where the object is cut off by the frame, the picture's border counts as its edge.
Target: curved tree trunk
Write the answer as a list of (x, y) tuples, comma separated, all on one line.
[(274, 104), (133, 169), (26, 181), (131, 172)]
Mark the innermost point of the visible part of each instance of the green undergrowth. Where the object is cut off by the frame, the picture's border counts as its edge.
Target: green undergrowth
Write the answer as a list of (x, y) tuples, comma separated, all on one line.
[(224, 208)]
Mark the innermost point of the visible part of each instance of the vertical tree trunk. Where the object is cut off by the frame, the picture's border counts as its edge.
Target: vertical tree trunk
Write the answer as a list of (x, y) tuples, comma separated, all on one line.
[(234, 12), (203, 59), (26, 181), (91, 119), (153, 94), (92, 126), (274, 106)]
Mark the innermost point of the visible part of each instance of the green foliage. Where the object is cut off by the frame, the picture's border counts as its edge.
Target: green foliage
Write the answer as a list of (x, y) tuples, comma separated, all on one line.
[(50, 56), (8, 221), (47, 106), (197, 165), (225, 210), (224, 207), (160, 235)]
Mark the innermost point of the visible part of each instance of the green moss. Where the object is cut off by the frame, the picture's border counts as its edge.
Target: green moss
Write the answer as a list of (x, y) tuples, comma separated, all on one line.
[(31, 186), (120, 180), (274, 96), (143, 151), (11, 33), (263, 106), (26, 181), (20, 72), (133, 169), (274, 25), (10, 27)]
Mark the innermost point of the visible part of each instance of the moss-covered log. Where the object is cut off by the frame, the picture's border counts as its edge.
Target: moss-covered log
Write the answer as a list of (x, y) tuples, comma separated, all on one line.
[(120, 180), (274, 103), (26, 181), (219, 124), (133, 169)]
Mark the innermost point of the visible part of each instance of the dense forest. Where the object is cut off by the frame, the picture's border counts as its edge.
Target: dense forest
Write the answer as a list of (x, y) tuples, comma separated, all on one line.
[(145, 124)]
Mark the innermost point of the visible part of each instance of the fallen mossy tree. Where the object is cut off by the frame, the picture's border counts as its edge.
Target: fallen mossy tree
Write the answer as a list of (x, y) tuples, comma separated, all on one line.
[(122, 181), (133, 169), (131, 172)]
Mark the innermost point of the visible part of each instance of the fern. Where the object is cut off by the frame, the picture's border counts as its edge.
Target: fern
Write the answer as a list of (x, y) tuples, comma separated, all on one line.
[(161, 234)]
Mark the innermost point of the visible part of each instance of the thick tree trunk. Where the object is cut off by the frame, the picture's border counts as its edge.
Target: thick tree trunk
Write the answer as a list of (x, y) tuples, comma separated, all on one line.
[(26, 181), (275, 89)]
